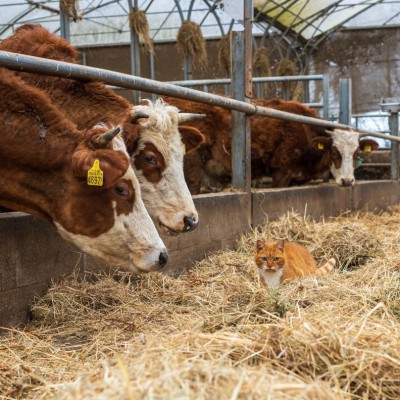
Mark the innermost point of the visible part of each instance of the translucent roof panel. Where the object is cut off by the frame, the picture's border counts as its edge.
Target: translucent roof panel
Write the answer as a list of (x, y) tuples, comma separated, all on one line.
[(312, 18)]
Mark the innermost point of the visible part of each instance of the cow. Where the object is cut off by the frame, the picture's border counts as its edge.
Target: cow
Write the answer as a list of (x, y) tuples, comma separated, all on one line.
[(150, 130), (81, 181), (289, 152)]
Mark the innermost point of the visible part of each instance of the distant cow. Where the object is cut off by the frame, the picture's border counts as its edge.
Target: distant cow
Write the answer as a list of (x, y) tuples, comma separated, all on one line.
[(289, 152), (150, 130), (44, 171)]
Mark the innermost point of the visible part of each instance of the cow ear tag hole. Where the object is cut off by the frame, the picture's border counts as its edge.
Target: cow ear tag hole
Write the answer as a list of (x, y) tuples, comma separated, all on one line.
[(95, 175)]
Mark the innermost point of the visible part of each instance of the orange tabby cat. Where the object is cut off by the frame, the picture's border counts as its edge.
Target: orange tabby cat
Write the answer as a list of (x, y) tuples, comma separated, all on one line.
[(279, 262)]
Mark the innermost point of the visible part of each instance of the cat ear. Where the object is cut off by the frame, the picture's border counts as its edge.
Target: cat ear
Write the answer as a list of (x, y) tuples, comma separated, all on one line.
[(280, 245), (260, 245)]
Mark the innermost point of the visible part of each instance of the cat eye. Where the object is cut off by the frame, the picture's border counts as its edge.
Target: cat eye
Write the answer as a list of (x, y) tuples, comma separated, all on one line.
[(264, 258), (276, 259)]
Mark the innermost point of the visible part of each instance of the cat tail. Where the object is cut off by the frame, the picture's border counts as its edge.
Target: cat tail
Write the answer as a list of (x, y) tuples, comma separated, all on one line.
[(328, 267)]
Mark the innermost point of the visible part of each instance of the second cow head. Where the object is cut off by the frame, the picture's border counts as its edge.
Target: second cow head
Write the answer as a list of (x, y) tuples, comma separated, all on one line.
[(157, 158)]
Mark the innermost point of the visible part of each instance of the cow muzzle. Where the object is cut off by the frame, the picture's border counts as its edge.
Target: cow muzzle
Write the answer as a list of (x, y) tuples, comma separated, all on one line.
[(346, 182)]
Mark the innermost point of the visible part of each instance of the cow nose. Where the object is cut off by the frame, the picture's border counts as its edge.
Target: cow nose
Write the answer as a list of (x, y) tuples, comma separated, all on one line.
[(162, 260), (347, 182), (190, 223)]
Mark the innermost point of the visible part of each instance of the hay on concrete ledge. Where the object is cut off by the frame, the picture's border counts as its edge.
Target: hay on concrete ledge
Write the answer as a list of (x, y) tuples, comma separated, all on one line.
[(191, 43), (139, 25), (216, 333)]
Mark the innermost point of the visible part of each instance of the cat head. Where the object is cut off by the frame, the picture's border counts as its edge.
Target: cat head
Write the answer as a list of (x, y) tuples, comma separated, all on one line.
[(270, 257)]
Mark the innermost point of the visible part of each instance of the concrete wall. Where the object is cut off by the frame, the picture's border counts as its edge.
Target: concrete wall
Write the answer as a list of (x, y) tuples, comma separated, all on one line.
[(32, 252)]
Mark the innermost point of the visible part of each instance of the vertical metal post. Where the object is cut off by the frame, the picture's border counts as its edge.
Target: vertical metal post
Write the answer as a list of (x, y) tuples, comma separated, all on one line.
[(242, 90), (187, 69), (394, 130), (345, 101), (135, 53), (325, 97), (260, 90), (152, 74), (64, 23)]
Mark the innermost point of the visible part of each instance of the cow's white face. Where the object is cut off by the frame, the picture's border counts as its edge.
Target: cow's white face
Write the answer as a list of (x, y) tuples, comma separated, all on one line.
[(116, 227), (344, 151), (158, 164)]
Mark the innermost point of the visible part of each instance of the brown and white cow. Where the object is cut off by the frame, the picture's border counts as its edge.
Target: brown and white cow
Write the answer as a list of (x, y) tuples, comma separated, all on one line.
[(150, 130), (288, 152), (44, 167)]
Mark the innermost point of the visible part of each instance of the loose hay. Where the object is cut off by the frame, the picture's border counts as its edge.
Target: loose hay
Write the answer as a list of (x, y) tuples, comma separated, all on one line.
[(224, 54), (138, 23), (70, 7), (190, 42), (262, 67), (216, 333), (292, 90)]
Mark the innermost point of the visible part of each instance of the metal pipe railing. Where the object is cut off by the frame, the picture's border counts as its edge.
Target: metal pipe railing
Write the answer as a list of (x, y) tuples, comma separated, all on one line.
[(38, 65)]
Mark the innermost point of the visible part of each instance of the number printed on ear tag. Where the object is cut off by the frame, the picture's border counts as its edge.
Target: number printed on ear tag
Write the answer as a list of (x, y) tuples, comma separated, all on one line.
[(95, 175)]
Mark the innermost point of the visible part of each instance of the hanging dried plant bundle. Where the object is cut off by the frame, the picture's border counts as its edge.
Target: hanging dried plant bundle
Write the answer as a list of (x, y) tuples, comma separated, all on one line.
[(287, 67), (70, 8), (224, 54), (139, 25), (190, 42), (262, 67)]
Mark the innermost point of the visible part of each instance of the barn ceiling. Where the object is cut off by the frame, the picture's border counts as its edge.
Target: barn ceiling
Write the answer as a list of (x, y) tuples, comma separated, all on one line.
[(106, 21)]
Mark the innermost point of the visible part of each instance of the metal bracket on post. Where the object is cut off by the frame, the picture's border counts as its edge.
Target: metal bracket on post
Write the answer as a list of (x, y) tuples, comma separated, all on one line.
[(392, 106), (345, 101), (325, 96), (135, 54)]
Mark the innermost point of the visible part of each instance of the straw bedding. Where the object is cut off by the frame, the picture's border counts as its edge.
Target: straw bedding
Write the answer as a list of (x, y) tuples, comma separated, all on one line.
[(216, 334)]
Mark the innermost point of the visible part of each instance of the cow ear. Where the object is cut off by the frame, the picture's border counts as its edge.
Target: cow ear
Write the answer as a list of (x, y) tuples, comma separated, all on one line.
[(322, 143), (112, 164), (191, 137), (260, 245), (368, 145), (131, 134)]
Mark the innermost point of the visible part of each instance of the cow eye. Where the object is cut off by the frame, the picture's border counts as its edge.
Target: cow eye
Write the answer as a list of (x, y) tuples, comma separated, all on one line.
[(150, 158), (122, 191)]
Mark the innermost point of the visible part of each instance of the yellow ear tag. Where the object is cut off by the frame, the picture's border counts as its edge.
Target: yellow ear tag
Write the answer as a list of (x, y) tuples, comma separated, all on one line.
[(184, 148), (320, 146), (95, 175), (367, 148)]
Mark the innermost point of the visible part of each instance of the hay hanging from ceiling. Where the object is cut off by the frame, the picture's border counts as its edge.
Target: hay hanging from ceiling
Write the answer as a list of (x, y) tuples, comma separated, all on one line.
[(224, 55), (70, 7), (291, 90), (191, 43), (139, 25), (262, 67)]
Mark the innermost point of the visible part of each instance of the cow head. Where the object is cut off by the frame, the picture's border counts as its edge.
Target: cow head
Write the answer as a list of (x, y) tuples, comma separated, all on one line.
[(157, 158), (343, 148), (108, 221)]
